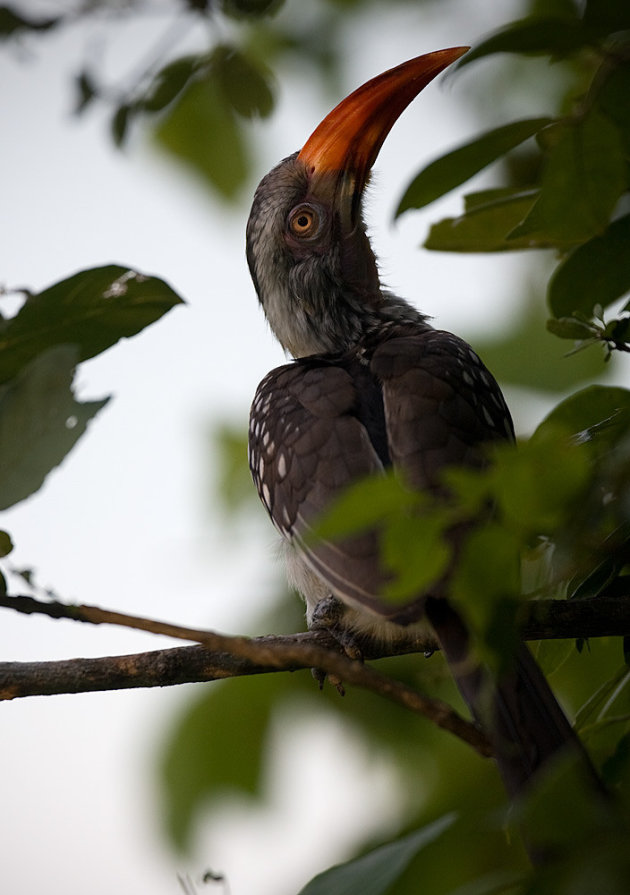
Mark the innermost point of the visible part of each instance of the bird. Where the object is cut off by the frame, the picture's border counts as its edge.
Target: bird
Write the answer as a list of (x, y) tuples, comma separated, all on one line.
[(372, 386)]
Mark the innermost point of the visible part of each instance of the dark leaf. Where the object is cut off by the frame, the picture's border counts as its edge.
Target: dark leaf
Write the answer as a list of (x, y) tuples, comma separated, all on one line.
[(617, 331), (120, 123), (462, 163), (596, 415), (598, 701), (422, 537), (528, 355), (218, 746), (245, 8), (40, 421), (86, 91), (376, 872), (537, 487), (242, 82), (169, 83), (616, 766), (612, 99), (570, 328), (609, 562), (485, 227), (584, 176), (12, 22), (595, 273), (607, 16), (92, 309), (200, 130), (365, 504), (557, 36), (6, 544)]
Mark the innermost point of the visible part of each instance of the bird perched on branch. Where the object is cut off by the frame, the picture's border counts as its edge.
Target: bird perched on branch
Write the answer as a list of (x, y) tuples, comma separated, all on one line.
[(373, 386)]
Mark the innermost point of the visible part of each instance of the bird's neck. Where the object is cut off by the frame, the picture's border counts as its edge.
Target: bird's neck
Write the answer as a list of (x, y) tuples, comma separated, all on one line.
[(308, 325)]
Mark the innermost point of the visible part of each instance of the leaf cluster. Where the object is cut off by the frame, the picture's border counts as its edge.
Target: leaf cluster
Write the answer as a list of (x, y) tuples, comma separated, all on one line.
[(41, 345), (576, 194)]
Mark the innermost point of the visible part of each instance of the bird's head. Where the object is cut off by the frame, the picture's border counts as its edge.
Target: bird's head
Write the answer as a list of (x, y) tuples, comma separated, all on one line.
[(307, 249)]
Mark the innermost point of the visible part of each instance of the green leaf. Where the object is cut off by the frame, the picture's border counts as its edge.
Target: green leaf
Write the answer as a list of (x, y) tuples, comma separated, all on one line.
[(610, 560), (562, 811), (615, 768), (553, 35), (487, 574), (462, 163), (200, 131), (120, 123), (607, 16), (242, 82), (376, 872), (366, 504), (12, 22), (239, 9), (571, 328), (612, 98), (87, 91), (92, 309), (583, 178), (596, 705), (421, 537), (552, 654), (216, 747), (597, 415), (6, 544), (596, 273), (169, 82), (530, 356), (486, 226), (537, 486), (40, 421), (556, 35), (497, 882)]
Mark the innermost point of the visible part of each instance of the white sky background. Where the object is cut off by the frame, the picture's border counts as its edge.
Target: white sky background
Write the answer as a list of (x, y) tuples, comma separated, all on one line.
[(124, 522)]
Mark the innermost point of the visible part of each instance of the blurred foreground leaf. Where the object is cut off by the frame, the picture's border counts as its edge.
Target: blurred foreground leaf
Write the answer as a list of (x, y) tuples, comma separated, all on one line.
[(12, 22), (548, 34), (218, 749), (40, 421), (376, 872), (200, 130)]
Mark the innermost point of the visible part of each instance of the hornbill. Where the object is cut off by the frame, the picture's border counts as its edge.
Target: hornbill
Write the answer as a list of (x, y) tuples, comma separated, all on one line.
[(372, 386)]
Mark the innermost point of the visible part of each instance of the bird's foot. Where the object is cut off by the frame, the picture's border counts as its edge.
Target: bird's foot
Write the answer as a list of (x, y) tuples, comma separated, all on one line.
[(328, 616)]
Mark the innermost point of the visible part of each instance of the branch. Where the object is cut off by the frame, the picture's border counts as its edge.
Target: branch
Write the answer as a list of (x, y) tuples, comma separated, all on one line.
[(219, 656)]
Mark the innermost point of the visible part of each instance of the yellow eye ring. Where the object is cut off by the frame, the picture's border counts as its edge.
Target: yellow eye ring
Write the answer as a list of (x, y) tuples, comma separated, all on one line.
[(304, 221)]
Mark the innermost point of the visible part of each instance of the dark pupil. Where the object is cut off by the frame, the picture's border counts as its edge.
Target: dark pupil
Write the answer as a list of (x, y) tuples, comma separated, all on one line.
[(303, 221)]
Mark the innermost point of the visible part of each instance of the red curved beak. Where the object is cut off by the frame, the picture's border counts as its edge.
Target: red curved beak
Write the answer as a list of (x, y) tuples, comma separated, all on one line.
[(349, 138)]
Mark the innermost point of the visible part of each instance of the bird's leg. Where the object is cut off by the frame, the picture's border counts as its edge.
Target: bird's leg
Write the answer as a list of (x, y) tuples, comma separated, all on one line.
[(328, 616)]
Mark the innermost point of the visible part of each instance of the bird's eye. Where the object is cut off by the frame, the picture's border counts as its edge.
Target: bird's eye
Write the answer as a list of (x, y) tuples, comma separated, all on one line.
[(304, 221)]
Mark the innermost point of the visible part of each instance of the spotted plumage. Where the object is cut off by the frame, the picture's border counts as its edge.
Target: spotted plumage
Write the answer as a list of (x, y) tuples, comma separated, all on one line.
[(372, 386)]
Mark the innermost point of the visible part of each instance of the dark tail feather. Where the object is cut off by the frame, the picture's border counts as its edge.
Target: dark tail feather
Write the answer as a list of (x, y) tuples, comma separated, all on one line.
[(519, 713)]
